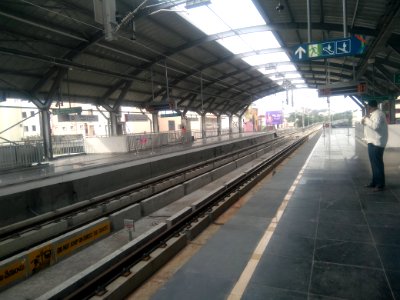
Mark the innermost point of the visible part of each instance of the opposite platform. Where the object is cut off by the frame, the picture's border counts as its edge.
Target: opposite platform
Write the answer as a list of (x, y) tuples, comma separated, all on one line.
[(73, 164), (330, 236)]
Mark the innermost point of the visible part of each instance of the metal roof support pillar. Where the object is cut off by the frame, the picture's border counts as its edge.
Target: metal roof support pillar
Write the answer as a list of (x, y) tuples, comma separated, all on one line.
[(219, 125), (344, 19), (203, 126), (156, 126), (114, 123), (392, 111), (309, 20), (46, 133), (240, 122), (230, 124), (184, 122)]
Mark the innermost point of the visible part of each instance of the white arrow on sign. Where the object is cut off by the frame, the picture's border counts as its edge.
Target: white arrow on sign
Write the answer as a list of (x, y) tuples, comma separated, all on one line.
[(300, 52)]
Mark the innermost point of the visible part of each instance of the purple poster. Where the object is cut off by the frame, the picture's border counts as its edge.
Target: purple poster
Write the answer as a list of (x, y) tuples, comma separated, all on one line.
[(273, 117)]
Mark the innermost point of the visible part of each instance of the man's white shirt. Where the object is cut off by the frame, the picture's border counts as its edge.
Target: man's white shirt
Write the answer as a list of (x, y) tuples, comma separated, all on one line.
[(376, 129)]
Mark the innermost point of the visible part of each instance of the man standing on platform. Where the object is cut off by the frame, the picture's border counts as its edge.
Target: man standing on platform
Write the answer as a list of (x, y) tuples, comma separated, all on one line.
[(376, 133)]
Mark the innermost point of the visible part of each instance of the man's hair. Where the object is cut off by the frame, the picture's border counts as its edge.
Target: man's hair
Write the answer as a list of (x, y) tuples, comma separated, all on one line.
[(372, 103)]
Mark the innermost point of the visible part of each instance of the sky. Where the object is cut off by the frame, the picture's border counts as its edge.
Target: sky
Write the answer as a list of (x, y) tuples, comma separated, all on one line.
[(307, 98)]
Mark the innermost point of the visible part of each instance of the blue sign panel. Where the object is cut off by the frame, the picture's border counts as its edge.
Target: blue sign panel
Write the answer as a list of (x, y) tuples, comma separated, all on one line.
[(326, 49)]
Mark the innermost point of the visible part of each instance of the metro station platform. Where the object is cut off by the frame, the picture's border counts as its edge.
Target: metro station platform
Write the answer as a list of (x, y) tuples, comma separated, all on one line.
[(330, 238)]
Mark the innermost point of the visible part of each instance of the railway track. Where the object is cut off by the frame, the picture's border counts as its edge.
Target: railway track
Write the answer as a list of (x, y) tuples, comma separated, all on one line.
[(78, 214), (163, 233)]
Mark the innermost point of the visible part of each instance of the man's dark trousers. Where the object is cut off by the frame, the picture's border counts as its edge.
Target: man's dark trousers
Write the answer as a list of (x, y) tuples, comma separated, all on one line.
[(375, 154)]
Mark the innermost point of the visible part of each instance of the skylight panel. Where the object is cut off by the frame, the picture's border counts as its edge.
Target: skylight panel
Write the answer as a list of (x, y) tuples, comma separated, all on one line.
[(222, 15), (286, 68), (266, 58), (298, 81), (235, 44), (204, 19), (250, 42), (267, 71), (227, 15), (237, 14), (261, 40), (292, 75)]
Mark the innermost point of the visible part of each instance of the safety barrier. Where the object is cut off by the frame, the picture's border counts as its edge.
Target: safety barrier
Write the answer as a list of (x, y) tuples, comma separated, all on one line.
[(150, 141), (20, 154), (68, 147)]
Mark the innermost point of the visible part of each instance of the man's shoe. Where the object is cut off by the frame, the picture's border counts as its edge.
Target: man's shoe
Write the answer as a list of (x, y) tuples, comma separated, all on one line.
[(369, 185), (378, 189)]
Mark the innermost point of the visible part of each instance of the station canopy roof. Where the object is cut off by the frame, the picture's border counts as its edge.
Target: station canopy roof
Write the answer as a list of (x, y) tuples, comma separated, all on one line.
[(215, 56)]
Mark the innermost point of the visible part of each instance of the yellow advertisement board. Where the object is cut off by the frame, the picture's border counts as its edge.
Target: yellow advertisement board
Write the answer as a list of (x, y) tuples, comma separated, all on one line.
[(11, 272), (40, 258), (67, 246)]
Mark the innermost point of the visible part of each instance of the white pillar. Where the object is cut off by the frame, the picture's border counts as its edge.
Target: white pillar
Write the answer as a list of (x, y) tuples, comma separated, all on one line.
[(240, 121), (203, 126), (230, 124), (156, 126)]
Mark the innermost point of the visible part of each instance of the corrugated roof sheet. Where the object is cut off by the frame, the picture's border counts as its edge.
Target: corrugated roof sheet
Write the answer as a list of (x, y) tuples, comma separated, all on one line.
[(41, 39)]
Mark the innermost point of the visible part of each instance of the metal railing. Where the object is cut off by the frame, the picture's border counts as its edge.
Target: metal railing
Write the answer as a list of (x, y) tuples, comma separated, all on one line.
[(68, 147), (147, 141), (27, 153), (20, 154)]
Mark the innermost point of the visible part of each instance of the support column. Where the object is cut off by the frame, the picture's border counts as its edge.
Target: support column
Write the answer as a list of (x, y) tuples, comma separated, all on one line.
[(203, 126), (114, 124), (46, 133), (230, 124), (240, 121), (184, 123), (156, 126), (219, 124)]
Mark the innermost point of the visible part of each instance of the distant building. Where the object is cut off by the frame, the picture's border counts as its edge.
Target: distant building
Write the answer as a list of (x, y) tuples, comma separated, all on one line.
[(22, 121), (19, 120)]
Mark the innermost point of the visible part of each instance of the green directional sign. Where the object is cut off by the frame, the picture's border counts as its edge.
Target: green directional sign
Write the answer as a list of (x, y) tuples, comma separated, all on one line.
[(397, 78), (169, 115), (350, 46), (67, 111), (378, 98)]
